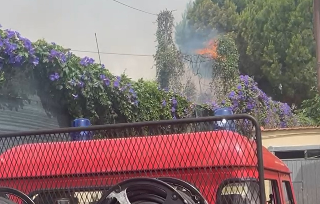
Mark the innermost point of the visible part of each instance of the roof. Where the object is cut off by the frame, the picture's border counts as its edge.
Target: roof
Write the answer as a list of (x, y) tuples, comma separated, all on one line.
[(201, 149), (291, 128)]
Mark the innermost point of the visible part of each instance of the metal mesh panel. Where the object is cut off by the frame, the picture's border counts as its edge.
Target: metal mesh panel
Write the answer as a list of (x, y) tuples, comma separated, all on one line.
[(203, 160)]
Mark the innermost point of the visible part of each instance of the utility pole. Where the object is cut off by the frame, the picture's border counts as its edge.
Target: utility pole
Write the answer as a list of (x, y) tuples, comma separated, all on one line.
[(95, 34), (316, 31)]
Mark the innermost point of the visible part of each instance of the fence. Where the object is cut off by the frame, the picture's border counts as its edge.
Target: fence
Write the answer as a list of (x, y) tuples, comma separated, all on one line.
[(185, 161)]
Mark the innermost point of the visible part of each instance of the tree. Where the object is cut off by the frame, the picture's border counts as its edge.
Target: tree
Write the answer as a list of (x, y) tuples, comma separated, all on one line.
[(225, 67), (215, 14), (280, 39), (168, 59), (274, 40)]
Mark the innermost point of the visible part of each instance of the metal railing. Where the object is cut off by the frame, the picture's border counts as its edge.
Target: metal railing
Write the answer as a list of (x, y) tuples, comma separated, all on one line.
[(197, 160)]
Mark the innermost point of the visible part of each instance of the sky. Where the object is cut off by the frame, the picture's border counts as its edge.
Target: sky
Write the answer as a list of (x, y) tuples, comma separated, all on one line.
[(73, 24)]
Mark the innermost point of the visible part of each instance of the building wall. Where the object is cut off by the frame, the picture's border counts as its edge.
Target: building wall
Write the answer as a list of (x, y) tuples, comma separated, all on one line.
[(291, 137)]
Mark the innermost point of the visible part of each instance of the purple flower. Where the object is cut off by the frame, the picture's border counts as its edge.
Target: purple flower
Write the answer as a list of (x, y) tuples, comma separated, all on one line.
[(250, 106), (107, 81), (283, 124), (239, 87), (75, 96), (10, 47), (241, 95), (31, 51), (235, 103), (27, 43), (35, 61), (102, 76), (116, 84), (54, 76), (285, 109), (174, 101), (86, 61), (63, 58), (81, 84), (164, 103), (245, 79), (72, 82), (54, 53), (10, 34), (173, 110), (214, 106), (18, 59), (232, 94), (102, 66)]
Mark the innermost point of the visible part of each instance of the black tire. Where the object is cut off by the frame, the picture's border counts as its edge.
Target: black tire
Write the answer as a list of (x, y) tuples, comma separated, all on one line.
[(6, 201), (16, 193)]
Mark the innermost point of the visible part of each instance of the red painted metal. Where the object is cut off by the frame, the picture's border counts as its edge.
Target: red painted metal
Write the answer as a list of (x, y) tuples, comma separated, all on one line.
[(55, 156), (112, 164)]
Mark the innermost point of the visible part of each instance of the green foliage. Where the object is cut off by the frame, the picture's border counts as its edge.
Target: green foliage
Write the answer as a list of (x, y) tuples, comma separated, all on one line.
[(274, 39), (310, 108), (80, 86), (86, 89), (280, 40), (168, 59), (225, 69), (220, 15), (157, 104)]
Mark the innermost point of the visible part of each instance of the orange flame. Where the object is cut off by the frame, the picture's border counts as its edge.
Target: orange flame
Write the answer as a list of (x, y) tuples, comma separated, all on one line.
[(210, 50)]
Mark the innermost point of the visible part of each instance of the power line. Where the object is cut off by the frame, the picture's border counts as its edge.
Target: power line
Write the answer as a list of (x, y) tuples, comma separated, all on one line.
[(185, 56), (113, 53), (135, 8)]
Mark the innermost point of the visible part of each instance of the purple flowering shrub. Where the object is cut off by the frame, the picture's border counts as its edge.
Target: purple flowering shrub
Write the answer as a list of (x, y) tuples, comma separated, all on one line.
[(84, 88), (246, 97), (16, 51), (87, 88)]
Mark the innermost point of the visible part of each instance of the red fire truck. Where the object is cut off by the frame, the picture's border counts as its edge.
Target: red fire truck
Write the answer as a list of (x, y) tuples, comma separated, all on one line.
[(194, 167)]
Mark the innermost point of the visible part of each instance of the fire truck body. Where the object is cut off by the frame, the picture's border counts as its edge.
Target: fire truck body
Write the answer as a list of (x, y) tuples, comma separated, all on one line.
[(97, 164)]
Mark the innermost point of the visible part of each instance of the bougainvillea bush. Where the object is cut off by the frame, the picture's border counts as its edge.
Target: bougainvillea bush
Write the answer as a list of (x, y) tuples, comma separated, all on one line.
[(87, 89)]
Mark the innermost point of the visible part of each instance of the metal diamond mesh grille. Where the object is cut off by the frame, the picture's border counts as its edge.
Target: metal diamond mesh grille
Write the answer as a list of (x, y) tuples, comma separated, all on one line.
[(203, 160)]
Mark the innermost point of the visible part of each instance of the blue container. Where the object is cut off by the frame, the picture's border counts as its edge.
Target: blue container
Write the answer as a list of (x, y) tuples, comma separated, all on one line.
[(224, 124), (83, 135)]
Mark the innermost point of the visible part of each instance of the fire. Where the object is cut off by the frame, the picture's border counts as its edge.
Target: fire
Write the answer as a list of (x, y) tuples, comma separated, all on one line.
[(210, 50)]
